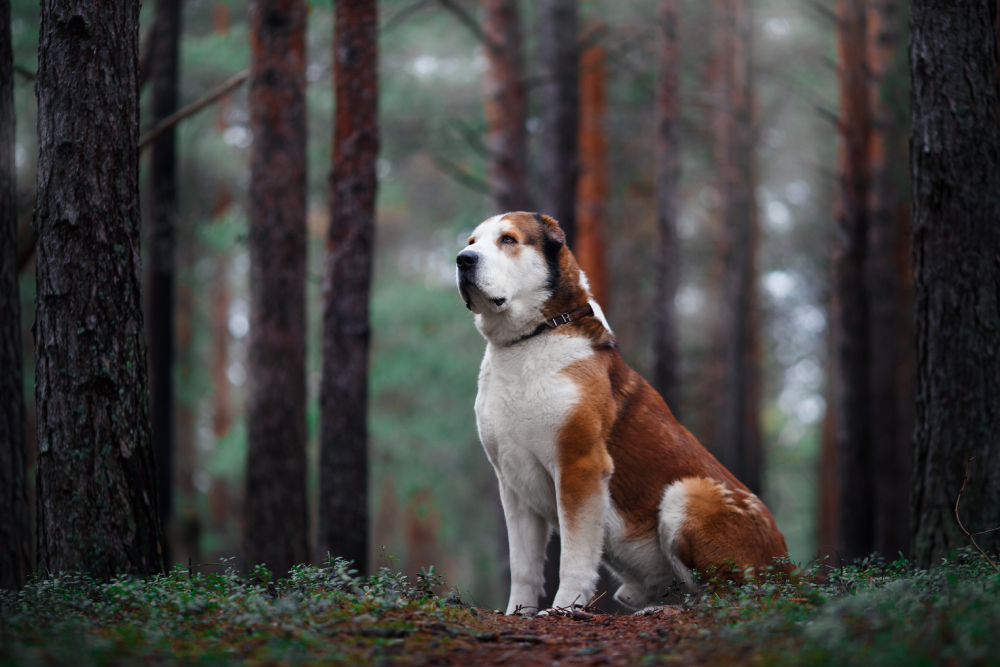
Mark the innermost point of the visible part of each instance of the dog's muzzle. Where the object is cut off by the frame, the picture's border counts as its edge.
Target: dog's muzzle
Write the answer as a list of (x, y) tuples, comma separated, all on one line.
[(467, 261)]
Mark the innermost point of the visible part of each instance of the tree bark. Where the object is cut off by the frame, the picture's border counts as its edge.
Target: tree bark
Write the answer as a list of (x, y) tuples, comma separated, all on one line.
[(161, 260), (666, 341), (343, 504), (96, 475), (504, 103), (559, 98), (890, 452), (851, 355), (737, 445), (277, 526), (827, 487), (15, 553), (955, 166), (592, 188)]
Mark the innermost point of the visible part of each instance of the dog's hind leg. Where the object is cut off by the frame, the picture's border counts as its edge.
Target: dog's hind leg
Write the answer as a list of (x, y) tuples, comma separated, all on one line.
[(527, 533), (673, 515)]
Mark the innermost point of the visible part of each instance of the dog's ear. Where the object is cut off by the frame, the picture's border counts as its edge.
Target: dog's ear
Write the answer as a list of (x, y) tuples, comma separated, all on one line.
[(551, 229)]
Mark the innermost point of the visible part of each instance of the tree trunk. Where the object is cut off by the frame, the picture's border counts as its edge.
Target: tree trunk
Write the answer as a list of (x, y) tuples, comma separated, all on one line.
[(504, 103), (97, 498), (592, 188), (161, 260), (666, 342), (890, 453), (15, 554), (955, 163), (558, 72), (827, 487), (851, 354), (737, 445), (343, 502), (277, 526), (218, 321)]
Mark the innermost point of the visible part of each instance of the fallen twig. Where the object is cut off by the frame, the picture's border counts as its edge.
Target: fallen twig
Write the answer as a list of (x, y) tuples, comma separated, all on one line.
[(971, 536)]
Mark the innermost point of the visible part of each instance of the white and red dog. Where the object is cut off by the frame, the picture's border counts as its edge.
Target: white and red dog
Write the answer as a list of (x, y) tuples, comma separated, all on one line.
[(582, 444)]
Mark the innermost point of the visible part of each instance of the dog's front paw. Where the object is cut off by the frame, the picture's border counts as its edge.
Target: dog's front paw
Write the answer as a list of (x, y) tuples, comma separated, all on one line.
[(522, 610)]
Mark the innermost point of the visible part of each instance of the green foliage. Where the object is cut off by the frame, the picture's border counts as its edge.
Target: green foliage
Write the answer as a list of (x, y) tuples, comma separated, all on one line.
[(866, 613), (73, 619)]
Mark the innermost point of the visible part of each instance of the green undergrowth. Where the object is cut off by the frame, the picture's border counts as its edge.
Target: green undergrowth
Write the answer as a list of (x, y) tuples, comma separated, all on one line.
[(316, 614), (867, 613)]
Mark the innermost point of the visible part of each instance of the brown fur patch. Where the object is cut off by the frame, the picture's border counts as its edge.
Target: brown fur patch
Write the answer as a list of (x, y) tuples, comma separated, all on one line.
[(584, 462), (649, 451), (722, 523)]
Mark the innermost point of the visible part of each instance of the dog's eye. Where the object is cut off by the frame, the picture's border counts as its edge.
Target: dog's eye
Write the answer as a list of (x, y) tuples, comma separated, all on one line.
[(471, 241), (508, 239)]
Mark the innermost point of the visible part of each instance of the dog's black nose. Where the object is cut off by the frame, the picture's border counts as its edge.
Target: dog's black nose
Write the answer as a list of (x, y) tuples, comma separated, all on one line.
[(467, 259)]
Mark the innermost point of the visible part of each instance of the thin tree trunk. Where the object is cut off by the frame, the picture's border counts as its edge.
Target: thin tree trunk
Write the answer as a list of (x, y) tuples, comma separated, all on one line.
[(955, 163), (504, 103), (890, 460), (222, 415), (851, 355), (187, 527), (277, 526), (666, 341), (161, 260), (343, 494), (737, 445), (96, 477), (15, 554), (592, 187), (828, 490), (559, 97)]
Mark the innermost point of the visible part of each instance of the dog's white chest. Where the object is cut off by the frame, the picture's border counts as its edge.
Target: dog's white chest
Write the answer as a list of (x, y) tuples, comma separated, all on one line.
[(523, 401)]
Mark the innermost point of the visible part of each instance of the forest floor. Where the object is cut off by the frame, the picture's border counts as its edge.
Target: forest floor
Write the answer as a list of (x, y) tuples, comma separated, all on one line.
[(868, 613)]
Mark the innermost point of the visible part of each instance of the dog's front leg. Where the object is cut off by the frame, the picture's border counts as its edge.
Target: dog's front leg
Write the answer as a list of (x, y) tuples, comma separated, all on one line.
[(583, 499), (527, 533)]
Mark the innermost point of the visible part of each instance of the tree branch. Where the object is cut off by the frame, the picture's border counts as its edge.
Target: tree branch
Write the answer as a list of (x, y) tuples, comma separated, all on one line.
[(959, 519), (472, 137), (403, 14), (823, 11), (25, 72), (469, 22), (461, 176), (212, 96)]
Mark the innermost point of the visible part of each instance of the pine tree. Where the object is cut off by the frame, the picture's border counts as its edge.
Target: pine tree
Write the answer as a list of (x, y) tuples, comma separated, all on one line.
[(96, 476), (15, 554), (277, 526), (666, 354), (505, 104), (955, 163), (737, 442), (161, 261), (343, 503), (558, 67)]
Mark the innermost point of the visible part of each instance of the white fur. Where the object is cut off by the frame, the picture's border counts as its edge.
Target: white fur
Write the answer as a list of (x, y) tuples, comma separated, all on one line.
[(522, 403)]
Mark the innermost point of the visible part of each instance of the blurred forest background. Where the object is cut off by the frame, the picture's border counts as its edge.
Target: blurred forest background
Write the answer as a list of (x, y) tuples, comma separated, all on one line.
[(432, 492)]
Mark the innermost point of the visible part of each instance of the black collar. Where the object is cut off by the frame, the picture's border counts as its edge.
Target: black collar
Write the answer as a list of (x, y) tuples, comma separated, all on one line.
[(557, 321)]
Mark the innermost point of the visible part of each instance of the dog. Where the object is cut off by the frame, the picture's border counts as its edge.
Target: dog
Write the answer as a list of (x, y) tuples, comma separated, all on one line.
[(582, 445)]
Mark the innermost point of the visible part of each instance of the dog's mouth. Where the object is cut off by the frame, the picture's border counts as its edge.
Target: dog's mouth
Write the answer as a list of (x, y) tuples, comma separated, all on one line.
[(472, 293)]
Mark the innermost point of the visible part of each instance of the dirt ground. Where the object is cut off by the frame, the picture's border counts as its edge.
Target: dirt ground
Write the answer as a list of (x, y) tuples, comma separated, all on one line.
[(570, 639)]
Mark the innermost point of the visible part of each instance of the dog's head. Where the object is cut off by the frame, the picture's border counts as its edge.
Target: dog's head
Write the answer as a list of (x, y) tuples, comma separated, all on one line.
[(517, 271)]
